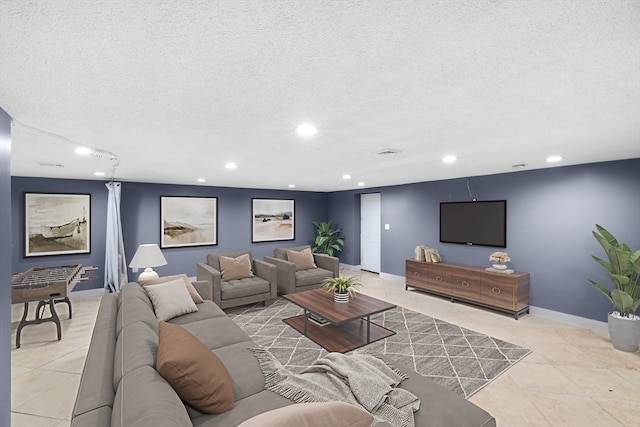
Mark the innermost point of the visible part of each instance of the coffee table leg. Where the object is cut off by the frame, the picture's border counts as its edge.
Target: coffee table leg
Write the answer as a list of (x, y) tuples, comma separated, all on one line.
[(368, 329), (305, 322)]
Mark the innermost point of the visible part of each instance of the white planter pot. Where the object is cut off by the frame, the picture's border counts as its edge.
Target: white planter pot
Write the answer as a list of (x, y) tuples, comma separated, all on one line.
[(338, 297), (624, 333)]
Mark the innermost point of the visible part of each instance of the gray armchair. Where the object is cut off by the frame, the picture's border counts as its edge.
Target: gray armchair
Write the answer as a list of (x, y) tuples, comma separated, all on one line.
[(291, 281), (261, 287)]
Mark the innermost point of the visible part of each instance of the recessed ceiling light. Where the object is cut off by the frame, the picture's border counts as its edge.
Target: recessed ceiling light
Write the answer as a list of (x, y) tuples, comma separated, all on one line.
[(306, 129), (449, 159), (230, 165), (553, 159), (346, 176), (99, 173), (84, 151), (201, 180), (292, 186), (361, 184)]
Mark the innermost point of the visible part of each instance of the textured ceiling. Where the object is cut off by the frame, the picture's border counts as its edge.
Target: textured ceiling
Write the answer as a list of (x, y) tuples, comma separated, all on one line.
[(172, 90)]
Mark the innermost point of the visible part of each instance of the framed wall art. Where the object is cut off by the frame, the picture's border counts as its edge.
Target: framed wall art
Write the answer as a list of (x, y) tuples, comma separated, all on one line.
[(273, 220), (57, 224), (188, 221)]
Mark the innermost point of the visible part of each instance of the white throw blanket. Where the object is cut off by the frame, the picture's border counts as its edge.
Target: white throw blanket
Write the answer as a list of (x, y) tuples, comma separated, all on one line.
[(359, 379)]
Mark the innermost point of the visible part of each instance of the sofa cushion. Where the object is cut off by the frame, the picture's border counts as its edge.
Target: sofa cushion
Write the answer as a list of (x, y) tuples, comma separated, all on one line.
[(217, 333), (145, 399), (135, 310), (136, 347), (206, 310), (187, 283), (132, 291), (312, 277), (316, 414), (196, 374), (302, 259), (170, 299), (235, 268), (243, 288)]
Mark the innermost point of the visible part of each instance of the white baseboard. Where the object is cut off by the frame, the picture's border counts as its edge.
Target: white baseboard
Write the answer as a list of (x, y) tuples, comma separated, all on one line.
[(570, 319), (557, 316)]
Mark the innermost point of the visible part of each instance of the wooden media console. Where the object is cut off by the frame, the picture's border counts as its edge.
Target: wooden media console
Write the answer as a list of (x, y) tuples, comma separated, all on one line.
[(500, 291)]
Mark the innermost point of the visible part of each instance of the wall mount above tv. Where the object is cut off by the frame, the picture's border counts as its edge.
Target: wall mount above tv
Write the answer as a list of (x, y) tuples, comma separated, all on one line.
[(481, 223)]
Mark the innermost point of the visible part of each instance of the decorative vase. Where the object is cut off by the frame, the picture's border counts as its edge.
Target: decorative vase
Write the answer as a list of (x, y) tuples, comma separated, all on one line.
[(624, 332), (341, 297), (500, 266)]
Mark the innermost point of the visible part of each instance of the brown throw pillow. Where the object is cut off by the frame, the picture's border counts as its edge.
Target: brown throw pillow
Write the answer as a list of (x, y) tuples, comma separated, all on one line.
[(196, 374), (192, 290), (317, 414), (235, 268), (302, 259)]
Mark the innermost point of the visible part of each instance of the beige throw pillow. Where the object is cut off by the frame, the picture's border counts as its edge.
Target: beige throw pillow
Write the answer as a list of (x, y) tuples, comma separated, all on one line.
[(302, 259), (187, 283), (235, 268), (170, 299), (317, 414), (196, 374)]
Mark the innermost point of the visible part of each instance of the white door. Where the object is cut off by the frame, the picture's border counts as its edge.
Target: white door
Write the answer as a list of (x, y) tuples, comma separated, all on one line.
[(370, 232)]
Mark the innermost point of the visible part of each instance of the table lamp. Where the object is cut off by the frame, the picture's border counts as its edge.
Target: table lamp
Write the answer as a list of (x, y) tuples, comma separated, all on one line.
[(147, 256)]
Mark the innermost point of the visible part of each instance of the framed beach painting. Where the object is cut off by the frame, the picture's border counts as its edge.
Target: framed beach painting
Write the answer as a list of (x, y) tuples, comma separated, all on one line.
[(188, 221), (273, 219), (57, 224)]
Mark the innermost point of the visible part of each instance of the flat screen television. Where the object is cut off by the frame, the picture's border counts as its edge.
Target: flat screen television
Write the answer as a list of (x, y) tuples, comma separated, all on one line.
[(474, 223)]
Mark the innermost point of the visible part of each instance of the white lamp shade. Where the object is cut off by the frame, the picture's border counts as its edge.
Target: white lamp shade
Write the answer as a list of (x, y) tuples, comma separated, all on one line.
[(148, 255)]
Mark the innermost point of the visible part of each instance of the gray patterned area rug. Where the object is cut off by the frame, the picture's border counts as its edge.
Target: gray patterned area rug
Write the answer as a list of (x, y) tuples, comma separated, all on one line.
[(459, 359)]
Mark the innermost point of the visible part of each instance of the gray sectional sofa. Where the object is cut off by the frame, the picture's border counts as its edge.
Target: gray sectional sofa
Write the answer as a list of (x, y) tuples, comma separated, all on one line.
[(121, 387)]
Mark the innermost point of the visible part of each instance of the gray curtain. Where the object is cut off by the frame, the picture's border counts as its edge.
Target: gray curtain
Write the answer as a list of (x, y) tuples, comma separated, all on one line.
[(115, 263)]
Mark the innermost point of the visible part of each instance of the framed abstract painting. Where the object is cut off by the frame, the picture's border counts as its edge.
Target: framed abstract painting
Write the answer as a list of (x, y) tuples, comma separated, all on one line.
[(57, 224), (273, 220)]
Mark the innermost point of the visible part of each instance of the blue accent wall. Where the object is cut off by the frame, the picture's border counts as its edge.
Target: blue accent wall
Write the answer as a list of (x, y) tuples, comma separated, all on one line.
[(98, 215), (5, 269), (551, 213), (550, 216), (140, 213)]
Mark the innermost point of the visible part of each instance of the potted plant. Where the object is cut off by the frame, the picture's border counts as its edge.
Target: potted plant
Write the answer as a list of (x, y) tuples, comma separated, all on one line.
[(342, 287), (327, 239), (623, 267)]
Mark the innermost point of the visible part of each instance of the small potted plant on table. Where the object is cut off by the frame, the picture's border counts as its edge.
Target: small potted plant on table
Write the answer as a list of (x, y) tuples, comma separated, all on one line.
[(342, 287)]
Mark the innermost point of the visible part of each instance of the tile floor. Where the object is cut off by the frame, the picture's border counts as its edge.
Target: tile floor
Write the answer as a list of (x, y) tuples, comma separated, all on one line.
[(574, 377)]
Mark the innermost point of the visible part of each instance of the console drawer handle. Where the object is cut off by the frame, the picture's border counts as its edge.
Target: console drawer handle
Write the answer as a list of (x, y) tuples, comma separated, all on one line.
[(439, 279), (495, 290), (465, 284), (416, 274)]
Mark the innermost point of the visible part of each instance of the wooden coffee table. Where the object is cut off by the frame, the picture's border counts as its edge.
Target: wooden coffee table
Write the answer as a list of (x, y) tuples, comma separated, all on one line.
[(349, 324)]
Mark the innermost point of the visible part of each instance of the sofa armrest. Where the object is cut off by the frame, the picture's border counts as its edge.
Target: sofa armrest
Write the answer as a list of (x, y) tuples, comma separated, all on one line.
[(328, 262), (286, 274), (204, 288), (268, 272), (205, 272)]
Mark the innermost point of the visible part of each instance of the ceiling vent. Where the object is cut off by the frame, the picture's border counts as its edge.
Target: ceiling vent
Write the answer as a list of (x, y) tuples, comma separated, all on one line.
[(51, 165), (388, 151)]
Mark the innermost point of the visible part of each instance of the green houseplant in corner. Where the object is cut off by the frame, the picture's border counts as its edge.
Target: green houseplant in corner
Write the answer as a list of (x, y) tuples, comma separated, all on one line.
[(342, 287), (623, 266), (327, 239)]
